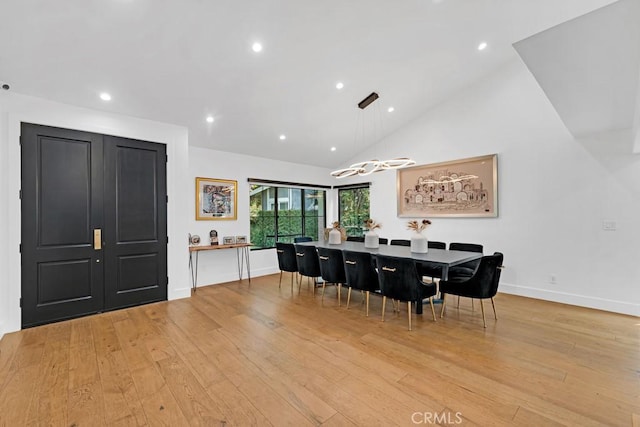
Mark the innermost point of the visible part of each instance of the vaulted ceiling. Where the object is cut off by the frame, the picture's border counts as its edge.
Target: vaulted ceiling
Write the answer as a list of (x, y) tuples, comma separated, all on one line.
[(182, 61)]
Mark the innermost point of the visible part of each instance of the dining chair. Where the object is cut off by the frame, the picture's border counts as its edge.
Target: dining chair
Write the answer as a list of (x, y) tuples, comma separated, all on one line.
[(399, 280), (482, 285), (383, 241), (429, 269), (400, 242), (360, 274), (355, 239), (332, 268), (302, 239), (308, 263), (467, 269), (286, 260)]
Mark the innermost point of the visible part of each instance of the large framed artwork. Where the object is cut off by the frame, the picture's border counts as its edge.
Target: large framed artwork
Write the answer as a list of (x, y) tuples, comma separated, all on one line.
[(216, 199), (459, 188)]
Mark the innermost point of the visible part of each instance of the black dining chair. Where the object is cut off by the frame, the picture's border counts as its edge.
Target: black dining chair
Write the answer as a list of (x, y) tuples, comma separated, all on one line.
[(383, 241), (332, 268), (360, 274), (355, 239), (286, 260), (482, 285), (399, 280), (466, 270), (308, 263), (302, 239), (400, 242)]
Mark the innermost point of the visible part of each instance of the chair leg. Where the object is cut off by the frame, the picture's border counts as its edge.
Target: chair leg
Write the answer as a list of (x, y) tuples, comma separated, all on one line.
[(323, 285), (299, 283), (348, 297), (458, 301), (280, 283), (484, 321), (473, 306), (384, 303), (367, 303), (443, 303), (339, 292), (409, 313), (292, 282), (433, 312), (495, 315)]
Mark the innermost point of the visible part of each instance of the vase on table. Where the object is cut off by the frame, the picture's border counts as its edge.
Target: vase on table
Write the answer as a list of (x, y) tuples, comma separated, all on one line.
[(419, 243), (335, 237), (371, 240)]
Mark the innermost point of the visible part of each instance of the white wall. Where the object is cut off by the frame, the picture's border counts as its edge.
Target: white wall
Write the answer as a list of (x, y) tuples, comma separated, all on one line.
[(15, 109), (554, 193), (220, 266)]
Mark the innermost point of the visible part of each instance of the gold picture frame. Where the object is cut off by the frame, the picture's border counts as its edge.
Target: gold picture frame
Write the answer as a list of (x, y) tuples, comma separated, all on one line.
[(216, 199), (458, 188)]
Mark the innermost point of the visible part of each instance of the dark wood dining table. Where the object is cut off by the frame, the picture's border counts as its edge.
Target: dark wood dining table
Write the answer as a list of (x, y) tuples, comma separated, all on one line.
[(442, 258)]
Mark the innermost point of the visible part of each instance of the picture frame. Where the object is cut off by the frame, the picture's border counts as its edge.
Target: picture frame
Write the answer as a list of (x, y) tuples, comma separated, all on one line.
[(241, 239), (216, 199), (458, 188), (229, 240)]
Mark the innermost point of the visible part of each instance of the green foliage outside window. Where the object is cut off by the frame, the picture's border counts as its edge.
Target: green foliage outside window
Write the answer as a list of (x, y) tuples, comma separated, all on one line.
[(353, 209)]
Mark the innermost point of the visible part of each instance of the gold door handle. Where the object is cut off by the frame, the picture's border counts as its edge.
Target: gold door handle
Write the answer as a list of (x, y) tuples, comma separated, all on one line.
[(97, 239)]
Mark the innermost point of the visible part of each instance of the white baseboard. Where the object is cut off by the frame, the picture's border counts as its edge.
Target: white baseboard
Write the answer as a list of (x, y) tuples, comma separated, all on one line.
[(621, 307)]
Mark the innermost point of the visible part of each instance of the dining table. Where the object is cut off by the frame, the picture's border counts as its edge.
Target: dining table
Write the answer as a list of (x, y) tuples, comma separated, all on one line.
[(442, 258)]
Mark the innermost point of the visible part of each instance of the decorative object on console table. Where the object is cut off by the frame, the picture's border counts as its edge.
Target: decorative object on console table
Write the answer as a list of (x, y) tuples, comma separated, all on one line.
[(213, 237), (419, 243), (229, 240), (459, 188), (194, 239), (216, 199), (241, 239), (371, 238)]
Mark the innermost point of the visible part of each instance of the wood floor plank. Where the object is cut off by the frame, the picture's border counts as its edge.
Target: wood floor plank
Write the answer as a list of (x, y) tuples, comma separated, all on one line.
[(240, 354)]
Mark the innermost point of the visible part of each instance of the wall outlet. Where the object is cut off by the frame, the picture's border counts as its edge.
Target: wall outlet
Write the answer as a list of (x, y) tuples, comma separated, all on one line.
[(553, 279)]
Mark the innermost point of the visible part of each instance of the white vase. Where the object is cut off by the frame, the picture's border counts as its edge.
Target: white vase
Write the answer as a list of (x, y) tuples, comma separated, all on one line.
[(371, 240), (419, 243), (335, 238)]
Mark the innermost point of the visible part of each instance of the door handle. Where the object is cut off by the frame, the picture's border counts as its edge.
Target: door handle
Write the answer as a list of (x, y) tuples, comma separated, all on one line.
[(97, 239)]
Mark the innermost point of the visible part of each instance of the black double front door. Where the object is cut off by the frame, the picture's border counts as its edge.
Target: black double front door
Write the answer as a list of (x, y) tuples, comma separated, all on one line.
[(94, 223)]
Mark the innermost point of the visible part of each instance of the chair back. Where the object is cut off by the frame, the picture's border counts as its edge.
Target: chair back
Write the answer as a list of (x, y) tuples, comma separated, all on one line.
[(307, 258), (437, 245), (468, 247), (302, 239), (383, 241), (286, 257), (400, 242), (331, 265), (355, 239), (399, 279), (359, 271)]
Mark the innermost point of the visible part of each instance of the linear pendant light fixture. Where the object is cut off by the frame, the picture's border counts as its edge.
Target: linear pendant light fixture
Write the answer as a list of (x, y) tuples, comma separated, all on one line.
[(370, 166)]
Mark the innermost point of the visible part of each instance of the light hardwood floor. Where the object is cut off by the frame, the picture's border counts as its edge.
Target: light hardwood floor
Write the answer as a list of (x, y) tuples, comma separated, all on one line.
[(240, 354)]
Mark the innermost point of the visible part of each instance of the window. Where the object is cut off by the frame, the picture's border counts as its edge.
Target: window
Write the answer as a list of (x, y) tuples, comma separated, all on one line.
[(353, 208), (279, 214)]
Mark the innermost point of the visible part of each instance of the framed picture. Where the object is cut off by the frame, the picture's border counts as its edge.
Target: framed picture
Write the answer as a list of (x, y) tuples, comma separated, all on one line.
[(459, 188), (216, 199), (229, 240), (241, 239)]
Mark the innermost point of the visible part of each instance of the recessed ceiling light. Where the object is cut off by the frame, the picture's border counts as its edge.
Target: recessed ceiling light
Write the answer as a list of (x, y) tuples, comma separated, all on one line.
[(333, 148), (482, 46), (210, 119), (339, 85), (283, 137), (391, 109), (256, 47), (105, 96)]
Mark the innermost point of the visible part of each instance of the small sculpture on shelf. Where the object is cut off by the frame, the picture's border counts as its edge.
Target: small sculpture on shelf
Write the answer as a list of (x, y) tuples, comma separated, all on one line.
[(213, 237), (194, 239)]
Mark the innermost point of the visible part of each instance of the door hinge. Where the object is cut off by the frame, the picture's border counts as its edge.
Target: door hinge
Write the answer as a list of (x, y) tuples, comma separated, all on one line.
[(20, 302), (166, 158), (20, 140), (167, 239), (167, 198), (20, 194), (20, 247)]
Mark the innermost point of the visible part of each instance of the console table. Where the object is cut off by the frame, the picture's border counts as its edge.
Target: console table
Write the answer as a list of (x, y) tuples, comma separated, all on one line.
[(241, 258)]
